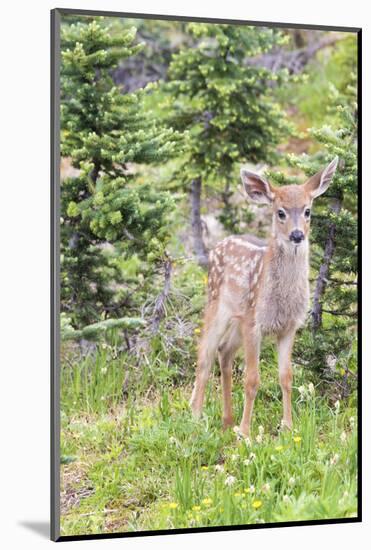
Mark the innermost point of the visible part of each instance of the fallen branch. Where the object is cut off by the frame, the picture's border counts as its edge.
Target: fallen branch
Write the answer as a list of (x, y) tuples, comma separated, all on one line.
[(159, 308), (295, 60)]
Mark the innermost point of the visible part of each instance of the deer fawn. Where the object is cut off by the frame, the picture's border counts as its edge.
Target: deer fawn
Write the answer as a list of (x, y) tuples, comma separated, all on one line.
[(257, 288)]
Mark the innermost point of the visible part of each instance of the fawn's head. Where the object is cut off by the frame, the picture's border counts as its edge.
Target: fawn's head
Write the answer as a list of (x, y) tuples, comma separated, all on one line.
[(291, 204)]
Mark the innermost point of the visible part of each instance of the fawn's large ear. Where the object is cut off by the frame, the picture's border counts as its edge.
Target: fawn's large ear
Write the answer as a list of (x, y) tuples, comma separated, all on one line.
[(257, 188), (319, 183)]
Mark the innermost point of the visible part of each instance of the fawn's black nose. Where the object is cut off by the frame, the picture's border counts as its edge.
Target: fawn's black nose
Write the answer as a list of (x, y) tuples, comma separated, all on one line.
[(297, 236)]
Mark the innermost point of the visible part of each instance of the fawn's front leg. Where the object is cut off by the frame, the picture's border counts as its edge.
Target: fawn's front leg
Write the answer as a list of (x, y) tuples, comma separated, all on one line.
[(284, 345), (251, 343)]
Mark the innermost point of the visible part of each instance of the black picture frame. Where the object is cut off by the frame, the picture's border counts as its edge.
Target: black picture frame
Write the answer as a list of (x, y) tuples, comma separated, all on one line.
[(56, 15)]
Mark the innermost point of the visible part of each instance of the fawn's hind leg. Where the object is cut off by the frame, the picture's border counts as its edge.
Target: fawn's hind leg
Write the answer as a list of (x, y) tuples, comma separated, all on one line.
[(214, 328), (226, 352)]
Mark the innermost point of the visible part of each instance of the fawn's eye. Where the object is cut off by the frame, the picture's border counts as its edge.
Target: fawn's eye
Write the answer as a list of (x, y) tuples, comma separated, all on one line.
[(307, 212), (281, 214)]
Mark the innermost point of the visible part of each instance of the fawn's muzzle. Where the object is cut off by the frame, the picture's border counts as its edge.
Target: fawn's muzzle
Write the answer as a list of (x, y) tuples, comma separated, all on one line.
[(297, 236)]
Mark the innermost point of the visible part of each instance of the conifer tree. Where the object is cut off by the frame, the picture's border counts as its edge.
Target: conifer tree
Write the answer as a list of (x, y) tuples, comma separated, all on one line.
[(228, 107), (105, 211)]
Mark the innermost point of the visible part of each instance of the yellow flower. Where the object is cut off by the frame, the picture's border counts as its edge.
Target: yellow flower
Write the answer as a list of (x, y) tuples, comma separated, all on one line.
[(197, 331), (196, 508), (342, 372), (247, 490), (279, 448), (256, 504), (238, 494), (297, 439), (204, 468), (173, 505), (207, 501)]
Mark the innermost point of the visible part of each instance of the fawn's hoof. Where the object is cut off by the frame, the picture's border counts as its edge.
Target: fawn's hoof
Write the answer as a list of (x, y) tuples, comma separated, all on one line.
[(240, 434), (227, 423), (285, 426)]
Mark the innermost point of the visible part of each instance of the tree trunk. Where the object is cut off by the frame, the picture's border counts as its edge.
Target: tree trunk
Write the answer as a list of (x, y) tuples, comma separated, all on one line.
[(324, 270), (198, 243)]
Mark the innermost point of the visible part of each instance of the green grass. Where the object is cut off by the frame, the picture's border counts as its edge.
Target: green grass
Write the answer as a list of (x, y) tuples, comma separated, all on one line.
[(133, 459)]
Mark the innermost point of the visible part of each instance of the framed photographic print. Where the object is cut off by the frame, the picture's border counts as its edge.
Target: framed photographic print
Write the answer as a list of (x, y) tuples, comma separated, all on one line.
[(205, 227)]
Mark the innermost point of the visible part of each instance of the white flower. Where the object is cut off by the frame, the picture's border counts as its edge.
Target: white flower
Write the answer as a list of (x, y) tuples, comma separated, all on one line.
[(286, 498), (252, 489), (266, 488), (334, 460), (261, 430), (337, 407), (249, 460), (229, 480), (292, 481), (219, 468), (343, 437), (234, 458), (259, 438), (311, 388), (352, 422), (302, 390), (248, 442)]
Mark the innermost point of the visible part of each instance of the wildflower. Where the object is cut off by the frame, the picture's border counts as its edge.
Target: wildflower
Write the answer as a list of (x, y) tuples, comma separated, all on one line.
[(205, 468), (297, 439), (337, 407), (256, 504), (249, 460), (247, 490), (173, 505), (197, 331), (238, 494), (334, 460), (352, 422), (229, 480), (311, 388), (207, 501), (219, 468), (286, 498), (292, 481), (259, 438), (196, 508), (261, 430), (343, 437), (104, 370), (279, 448), (302, 391), (266, 488), (234, 458), (247, 441), (342, 372), (252, 489)]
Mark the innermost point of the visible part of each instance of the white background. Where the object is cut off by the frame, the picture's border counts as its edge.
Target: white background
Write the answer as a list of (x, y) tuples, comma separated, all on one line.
[(24, 271)]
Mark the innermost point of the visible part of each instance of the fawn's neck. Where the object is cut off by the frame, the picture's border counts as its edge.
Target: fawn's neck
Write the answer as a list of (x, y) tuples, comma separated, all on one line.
[(287, 267)]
